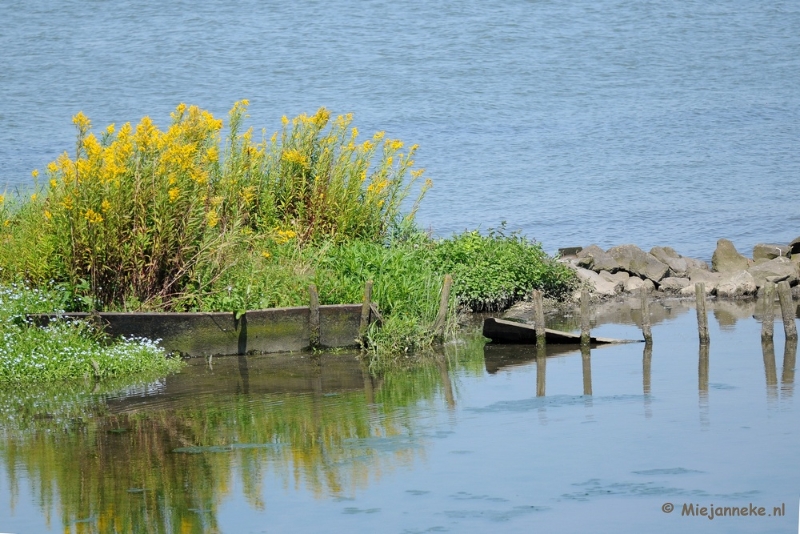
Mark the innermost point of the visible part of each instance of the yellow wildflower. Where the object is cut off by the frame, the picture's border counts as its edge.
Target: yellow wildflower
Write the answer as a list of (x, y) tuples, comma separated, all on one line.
[(110, 129), (48, 215), (52, 167), (81, 121), (378, 136), (355, 132), (285, 235), (173, 194), (266, 254), (395, 144), (35, 173), (248, 194), (321, 117), (212, 218), (212, 154), (295, 156), (93, 217), (33, 197), (105, 205), (284, 120), (2, 198), (6, 223), (53, 184)]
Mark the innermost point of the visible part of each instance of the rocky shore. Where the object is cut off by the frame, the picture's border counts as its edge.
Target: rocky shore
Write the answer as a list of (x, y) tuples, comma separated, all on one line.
[(627, 269)]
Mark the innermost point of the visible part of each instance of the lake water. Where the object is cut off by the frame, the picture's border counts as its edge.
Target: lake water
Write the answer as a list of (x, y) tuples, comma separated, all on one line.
[(654, 123), (486, 439)]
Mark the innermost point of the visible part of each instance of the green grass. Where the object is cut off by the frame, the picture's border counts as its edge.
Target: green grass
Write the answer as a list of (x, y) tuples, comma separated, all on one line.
[(66, 350)]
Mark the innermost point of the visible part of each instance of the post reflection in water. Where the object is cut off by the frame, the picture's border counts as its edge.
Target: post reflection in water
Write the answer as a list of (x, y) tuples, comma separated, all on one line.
[(702, 383), (586, 358), (541, 369), (770, 372), (647, 358), (447, 385), (789, 362)]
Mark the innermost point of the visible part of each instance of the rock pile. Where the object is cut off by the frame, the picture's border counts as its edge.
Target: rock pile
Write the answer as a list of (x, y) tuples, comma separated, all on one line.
[(627, 268)]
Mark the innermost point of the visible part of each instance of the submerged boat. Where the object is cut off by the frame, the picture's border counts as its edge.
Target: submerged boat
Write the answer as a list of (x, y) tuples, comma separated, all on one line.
[(504, 331)]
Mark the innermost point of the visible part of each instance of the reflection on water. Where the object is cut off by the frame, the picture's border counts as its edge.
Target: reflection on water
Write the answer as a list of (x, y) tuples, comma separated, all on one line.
[(171, 455)]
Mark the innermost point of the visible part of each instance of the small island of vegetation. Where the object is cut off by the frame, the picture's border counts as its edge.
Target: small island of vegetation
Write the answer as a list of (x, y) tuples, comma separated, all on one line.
[(182, 219)]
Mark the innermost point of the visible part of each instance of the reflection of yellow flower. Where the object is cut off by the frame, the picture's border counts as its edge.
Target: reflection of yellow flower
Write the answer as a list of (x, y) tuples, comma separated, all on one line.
[(93, 217)]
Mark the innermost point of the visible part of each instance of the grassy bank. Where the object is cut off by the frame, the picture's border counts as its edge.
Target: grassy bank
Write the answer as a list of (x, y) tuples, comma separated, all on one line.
[(141, 218), (66, 350)]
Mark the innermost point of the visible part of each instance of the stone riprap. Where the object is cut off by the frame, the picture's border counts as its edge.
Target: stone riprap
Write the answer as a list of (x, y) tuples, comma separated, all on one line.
[(628, 269)]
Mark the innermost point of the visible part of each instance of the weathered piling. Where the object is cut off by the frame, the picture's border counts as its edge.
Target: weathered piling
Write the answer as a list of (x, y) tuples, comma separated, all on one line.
[(538, 313), (702, 316), (365, 310), (585, 326), (444, 304), (646, 331), (787, 310), (313, 306), (768, 316)]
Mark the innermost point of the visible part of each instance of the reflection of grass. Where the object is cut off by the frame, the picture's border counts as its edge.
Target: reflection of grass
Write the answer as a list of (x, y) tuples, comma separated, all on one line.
[(153, 470)]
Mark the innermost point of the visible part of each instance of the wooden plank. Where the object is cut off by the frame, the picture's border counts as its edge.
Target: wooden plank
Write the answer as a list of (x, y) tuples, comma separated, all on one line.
[(503, 331)]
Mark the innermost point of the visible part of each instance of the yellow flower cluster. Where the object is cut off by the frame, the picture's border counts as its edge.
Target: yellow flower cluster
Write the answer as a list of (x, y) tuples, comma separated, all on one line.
[(285, 235), (295, 156), (93, 217)]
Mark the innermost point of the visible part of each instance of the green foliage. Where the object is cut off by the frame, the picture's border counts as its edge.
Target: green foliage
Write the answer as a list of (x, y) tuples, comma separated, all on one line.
[(493, 271)]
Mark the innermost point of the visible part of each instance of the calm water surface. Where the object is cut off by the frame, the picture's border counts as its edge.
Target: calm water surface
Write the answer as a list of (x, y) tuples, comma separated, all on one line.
[(654, 123), (487, 439)]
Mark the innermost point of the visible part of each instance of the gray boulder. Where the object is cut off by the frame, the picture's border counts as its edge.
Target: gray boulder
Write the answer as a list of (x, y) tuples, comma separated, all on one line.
[(740, 284), (673, 284), (677, 265), (635, 284), (775, 270), (710, 279), (727, 259), (596, 259), (689, 291), (598, 284), (636, 261), (764, 251), (794, 246)]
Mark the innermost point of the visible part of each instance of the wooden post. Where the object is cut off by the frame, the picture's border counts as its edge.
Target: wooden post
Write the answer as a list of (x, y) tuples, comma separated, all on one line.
[(538, 312), (702, 317), (787, 310), (365, 309), (768, 316), (313, 307), (648, 335), (647, 359), (585, 326), (702, 371), (444, 304)]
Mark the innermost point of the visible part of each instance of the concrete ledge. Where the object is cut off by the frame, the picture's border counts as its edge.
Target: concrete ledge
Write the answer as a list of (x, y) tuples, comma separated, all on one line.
[(211, 334)]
